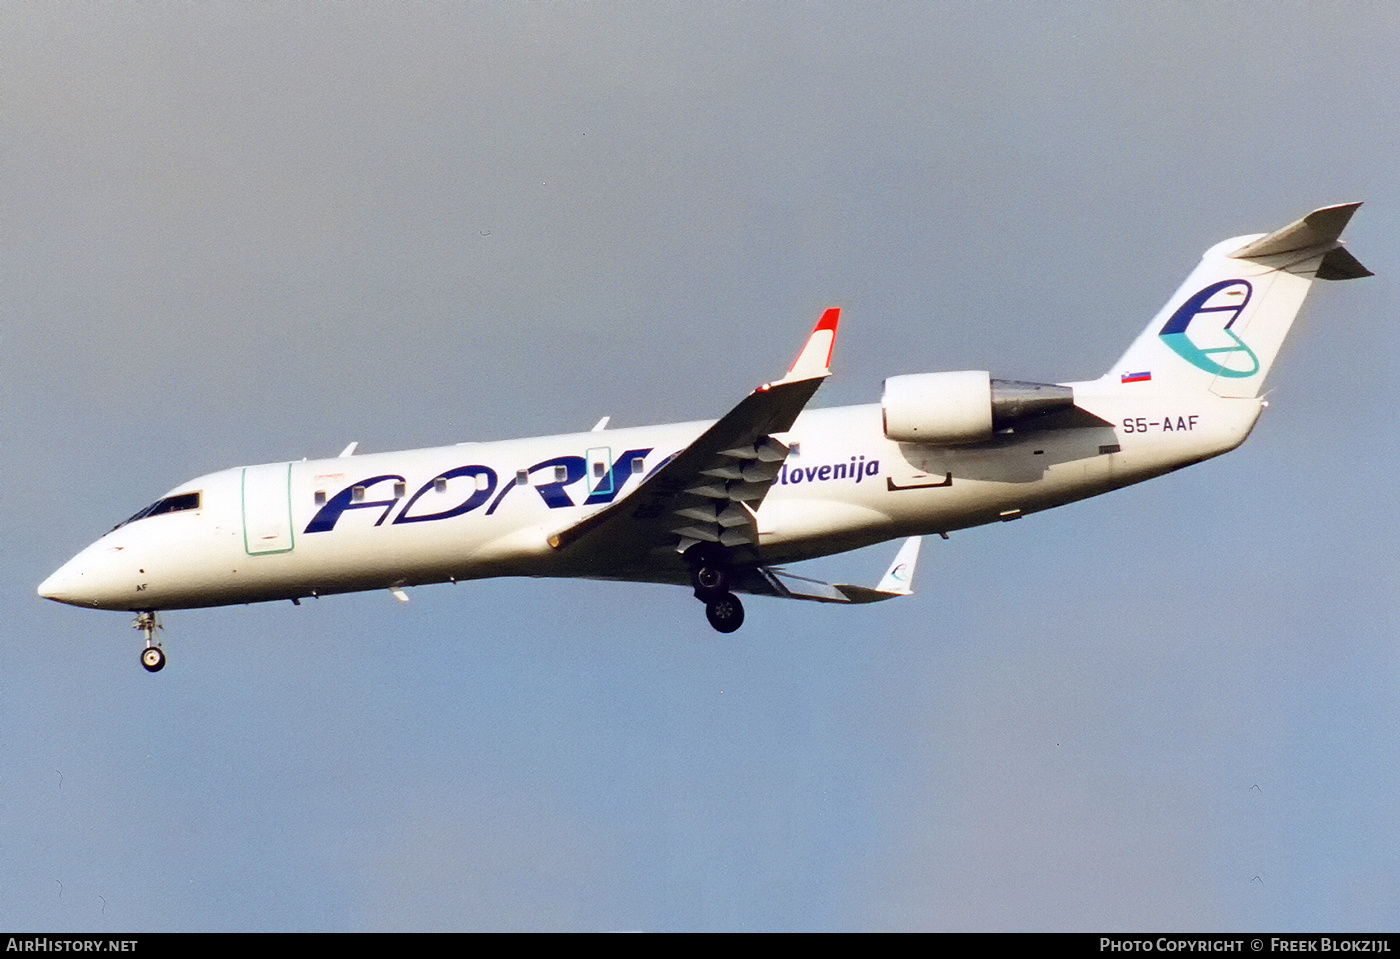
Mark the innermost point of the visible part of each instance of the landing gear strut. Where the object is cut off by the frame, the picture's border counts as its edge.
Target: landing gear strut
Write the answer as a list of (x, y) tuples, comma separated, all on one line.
[(152, 657), (709, 574)]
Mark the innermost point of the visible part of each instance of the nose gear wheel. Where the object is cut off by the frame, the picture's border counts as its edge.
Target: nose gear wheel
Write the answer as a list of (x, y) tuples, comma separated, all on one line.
[(152, 656)]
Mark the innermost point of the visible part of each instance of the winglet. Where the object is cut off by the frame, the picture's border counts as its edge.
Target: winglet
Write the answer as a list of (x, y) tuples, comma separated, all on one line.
[(899, 578), (815, 358)]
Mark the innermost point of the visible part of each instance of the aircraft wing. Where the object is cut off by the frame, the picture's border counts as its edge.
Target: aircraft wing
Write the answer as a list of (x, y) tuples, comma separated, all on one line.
[(709, 491), (776, 581)]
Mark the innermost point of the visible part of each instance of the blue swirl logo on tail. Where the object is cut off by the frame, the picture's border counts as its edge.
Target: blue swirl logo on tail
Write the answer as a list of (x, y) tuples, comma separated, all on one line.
[(1216, 349)]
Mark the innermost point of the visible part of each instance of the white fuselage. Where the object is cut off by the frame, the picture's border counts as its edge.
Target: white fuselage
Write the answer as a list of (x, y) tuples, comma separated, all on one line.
[(292, 530)]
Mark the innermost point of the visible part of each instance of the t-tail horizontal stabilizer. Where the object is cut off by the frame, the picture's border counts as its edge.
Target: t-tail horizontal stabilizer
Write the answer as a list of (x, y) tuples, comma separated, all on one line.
[(1319, 231), (897, 581)]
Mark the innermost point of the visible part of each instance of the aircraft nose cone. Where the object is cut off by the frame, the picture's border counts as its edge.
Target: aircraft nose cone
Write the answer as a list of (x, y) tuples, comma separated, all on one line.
[(64, 586), (78, 582)]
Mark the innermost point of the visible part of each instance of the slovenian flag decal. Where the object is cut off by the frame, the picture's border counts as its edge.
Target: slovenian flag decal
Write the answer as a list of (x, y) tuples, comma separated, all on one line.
[(1137, 377)]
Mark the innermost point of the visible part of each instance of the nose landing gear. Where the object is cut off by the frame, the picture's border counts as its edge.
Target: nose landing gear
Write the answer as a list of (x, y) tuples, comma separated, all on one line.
[(152, 657)]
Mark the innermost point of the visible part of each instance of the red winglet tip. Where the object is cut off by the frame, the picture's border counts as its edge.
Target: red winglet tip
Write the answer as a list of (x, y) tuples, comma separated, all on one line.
[(815, 358)]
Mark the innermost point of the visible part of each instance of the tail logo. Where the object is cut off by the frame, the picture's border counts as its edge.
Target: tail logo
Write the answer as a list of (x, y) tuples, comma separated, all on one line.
[(1199, 331)]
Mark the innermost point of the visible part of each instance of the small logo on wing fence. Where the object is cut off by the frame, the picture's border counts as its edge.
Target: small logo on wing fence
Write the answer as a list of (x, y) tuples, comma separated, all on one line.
[(1199, 331)]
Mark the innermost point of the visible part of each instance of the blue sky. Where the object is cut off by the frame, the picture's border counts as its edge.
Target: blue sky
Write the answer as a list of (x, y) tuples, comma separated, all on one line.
[(237, 234)]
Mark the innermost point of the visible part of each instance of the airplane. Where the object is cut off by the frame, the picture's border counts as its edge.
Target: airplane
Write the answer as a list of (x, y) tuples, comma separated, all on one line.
[(719, 506)]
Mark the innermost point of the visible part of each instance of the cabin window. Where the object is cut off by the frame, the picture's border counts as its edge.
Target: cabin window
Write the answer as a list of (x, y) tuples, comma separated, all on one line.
[(638, 465), (400, 489), (522, 477), (599, 469), (561, 473), (320, 497), (357, 495), (440, 484)]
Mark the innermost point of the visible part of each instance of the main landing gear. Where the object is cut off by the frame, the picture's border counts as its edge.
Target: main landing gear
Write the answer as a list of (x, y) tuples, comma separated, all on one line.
[(725, 614), (709, 574), (152, 657)]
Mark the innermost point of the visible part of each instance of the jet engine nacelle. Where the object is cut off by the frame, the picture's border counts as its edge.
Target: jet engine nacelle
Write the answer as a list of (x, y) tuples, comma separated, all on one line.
[(949, 409)]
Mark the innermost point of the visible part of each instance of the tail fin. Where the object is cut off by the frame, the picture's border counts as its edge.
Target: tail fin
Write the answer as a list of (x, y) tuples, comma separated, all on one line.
[(1223, 328)]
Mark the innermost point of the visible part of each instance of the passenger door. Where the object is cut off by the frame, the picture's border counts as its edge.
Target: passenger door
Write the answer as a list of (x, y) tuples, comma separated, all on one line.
[(267, 509)]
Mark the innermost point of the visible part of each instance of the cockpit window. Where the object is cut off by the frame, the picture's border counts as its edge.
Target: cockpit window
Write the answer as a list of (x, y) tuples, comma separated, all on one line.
[(171, 504)]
